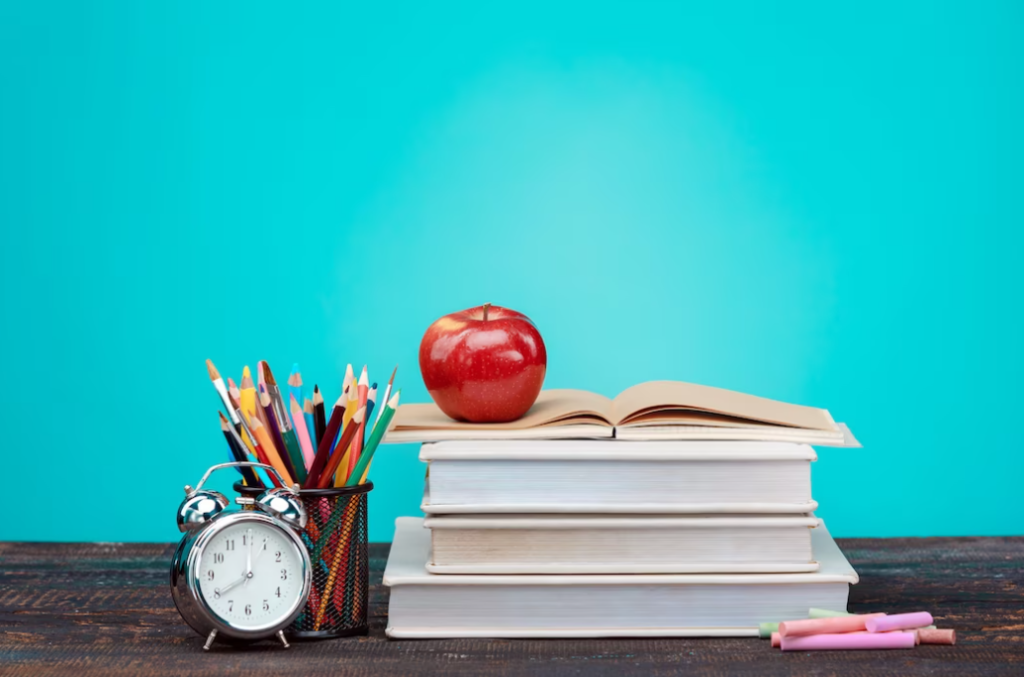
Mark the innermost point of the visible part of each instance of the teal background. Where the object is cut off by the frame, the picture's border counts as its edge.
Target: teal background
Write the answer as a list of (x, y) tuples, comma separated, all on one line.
[(817, 203)]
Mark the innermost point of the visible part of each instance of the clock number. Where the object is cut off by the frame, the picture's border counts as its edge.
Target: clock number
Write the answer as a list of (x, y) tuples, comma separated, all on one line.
[(266, 605), (231, 605), (216, 593), (209, 575), (264, 544), (230, 545), (243, 539), (218, 557), (284, 574), (248, 609), (278, 556), (278, 591)]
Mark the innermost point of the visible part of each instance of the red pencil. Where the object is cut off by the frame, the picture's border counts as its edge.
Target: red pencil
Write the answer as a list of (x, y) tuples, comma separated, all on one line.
[(323, 451), (327, 475)]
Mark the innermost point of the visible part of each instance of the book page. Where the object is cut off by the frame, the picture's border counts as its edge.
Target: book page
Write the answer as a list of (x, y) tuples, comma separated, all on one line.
[(553, 407), (665, 396)]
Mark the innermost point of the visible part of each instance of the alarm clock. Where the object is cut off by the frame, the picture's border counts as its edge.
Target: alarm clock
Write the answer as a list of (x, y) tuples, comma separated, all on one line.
[(240, 575)]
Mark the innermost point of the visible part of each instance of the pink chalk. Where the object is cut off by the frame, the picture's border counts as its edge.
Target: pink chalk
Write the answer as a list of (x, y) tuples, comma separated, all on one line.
[(936, 636), (824, 626), (776, 640), (899, 622), (850, 642)]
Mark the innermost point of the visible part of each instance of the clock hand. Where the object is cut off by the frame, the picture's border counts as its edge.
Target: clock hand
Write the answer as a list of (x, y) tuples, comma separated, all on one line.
[(248, 557), (234, 584), (257, 558)]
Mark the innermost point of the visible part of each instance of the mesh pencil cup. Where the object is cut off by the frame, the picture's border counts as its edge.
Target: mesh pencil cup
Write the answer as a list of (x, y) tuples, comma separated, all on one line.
[(335, 535)]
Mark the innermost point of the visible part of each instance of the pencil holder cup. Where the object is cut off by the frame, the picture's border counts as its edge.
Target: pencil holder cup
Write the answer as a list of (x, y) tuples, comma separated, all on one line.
[(335, 535)]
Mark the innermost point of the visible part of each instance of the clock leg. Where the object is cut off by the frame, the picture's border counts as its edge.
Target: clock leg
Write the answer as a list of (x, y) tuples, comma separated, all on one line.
[(280, 636), (209, 640)]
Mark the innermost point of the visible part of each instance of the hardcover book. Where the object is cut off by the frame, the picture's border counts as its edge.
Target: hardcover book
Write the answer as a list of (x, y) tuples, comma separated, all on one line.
[(616, 476), (426, 605), (620, 544)]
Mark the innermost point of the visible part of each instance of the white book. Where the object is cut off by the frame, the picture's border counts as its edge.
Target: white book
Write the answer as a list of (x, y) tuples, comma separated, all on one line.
[(617, 476), (620, 544), (425, 605)]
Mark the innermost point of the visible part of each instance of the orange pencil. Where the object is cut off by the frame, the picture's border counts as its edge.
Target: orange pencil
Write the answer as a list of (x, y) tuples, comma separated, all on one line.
[(335, 460), (260, 431)]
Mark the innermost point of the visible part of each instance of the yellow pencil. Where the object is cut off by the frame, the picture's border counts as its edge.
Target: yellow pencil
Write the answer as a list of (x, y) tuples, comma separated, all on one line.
[(351, 407), (247, 393)]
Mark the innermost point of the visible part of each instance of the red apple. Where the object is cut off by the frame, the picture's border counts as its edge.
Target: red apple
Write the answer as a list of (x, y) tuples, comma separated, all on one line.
[(483, 364)]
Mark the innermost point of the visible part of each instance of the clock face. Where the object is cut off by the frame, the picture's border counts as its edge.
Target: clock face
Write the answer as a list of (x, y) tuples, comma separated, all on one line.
[(250, 574)]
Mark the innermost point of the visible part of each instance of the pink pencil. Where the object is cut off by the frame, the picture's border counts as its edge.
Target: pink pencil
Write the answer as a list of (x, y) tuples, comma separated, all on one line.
[(302, 432)]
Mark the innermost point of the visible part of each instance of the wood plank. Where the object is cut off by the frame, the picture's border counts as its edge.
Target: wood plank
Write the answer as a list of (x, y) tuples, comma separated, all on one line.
[(105, 609)]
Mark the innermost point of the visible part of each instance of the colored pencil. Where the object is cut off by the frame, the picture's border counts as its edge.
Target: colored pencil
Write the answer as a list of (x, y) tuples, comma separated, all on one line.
[(238, 452), (247, 393), (323, 451), (301, 432), (255, 449), (271, 453), (358, 475), (269, 419), (307, 413), (232, 391), (319, 417), (275, 396), (387, 393), (291, 443), (295, 384), (335, 460), (351, 406), (222, 392), (371, 404), (362, 391)]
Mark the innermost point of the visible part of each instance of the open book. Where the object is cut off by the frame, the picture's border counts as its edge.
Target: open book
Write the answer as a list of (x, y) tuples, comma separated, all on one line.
[(665, 410)]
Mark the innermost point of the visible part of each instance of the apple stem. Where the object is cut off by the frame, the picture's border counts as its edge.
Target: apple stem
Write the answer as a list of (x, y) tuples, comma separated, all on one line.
[(486, 307)]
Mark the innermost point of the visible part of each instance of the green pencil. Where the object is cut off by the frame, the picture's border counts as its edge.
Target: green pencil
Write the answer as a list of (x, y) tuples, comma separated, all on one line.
[(291, 442), (355, 478)]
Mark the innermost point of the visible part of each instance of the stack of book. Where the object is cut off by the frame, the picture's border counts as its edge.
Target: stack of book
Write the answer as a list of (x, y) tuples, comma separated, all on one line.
[(671, 510)]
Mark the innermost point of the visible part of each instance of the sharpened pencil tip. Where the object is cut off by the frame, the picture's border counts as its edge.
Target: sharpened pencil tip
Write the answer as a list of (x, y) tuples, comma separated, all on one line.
[(394, 400), (245, 372), (214, 374), (391, 381), (363, 378)]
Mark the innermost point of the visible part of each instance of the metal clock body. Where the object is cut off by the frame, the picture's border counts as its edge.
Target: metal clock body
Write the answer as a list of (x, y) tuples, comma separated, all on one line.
[(241, 576)]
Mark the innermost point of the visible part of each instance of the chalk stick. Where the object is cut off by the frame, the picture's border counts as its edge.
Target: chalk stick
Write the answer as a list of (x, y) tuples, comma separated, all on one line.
[(849, 642), (776, 640), (899, 622), (826, 613), (936, 636), (825, 626), (765, 630)]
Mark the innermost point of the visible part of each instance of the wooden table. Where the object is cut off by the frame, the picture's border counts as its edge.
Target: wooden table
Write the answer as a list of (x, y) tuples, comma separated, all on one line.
[(105, 609)]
